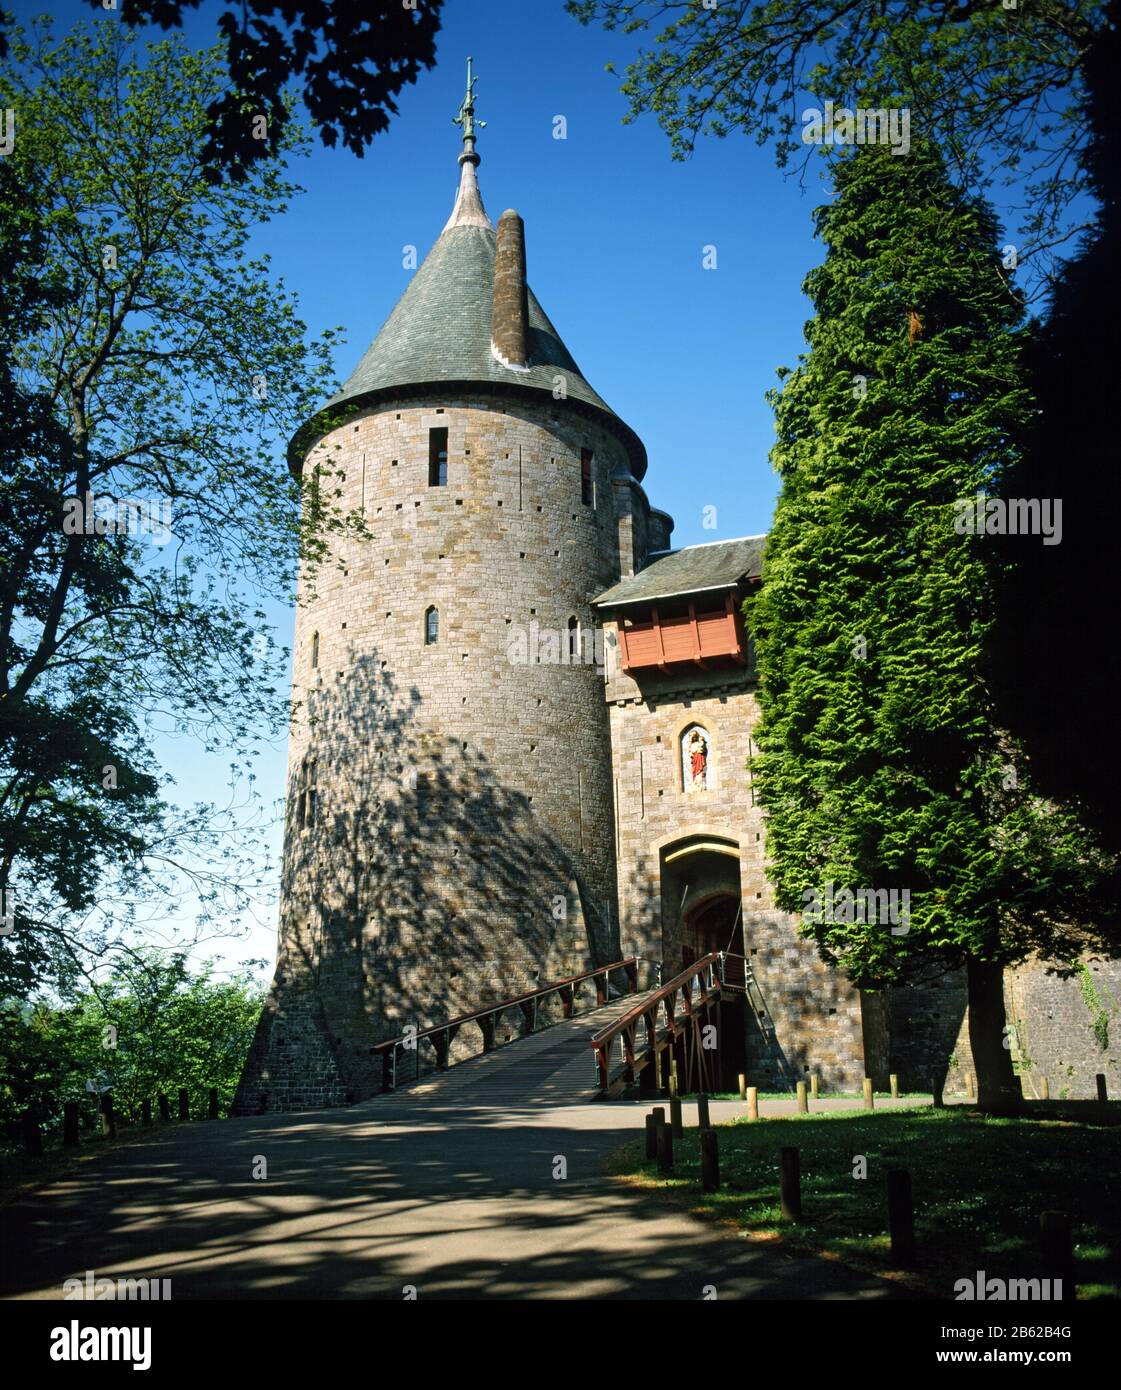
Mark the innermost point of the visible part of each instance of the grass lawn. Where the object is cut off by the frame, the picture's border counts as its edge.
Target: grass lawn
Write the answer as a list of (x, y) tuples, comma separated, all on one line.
[(783, 1095), (979, 1185)]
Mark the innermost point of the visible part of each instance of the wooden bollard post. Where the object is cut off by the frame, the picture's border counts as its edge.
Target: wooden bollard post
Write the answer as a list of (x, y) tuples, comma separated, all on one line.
[(869, 1099), (665, 1145), (1054, 1244), (901, 1217), (659, 1117), (212, 1104), (652, 1135), (814, 1082), (32, 1135), (108, 1117), (1103, 1094), (675, 1121), (184, 1104), (703, 1121), (145, 1111), (70, 1124), (790, 1184), (752, 1102), (164, 1107), (803, 1105), (743, 1086), (710, 1161), (936, 1093), (1044, 1088), (894, 1079)]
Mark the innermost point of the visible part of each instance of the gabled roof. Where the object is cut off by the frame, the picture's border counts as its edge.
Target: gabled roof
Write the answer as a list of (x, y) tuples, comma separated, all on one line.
[(439, 334), (694, 569)]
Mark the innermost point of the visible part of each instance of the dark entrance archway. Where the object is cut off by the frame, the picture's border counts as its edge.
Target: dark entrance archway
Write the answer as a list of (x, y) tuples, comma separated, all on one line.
[(701, 914), (714, 924), (700, 883)]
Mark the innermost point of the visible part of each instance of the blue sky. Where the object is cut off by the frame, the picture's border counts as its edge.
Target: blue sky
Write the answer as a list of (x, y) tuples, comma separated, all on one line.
[(615, 236), (615, 232)]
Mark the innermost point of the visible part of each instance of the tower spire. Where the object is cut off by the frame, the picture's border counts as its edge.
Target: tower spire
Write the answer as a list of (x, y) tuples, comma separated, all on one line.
[(466, 119), (468, 210)]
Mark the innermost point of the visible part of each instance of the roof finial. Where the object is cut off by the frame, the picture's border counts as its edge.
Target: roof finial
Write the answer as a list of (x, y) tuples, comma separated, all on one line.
[(466, 119)]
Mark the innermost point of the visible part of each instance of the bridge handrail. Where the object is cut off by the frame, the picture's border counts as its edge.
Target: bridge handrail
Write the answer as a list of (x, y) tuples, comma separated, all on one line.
[(628, 963), (652, 1001)]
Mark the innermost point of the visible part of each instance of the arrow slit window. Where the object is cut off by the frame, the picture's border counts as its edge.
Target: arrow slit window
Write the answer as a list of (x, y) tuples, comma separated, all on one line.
[(587, 492), (308, 792), (438, 457)]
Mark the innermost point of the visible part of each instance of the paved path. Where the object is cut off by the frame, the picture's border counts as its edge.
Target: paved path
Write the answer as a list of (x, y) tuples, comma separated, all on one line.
[(448, 1187)]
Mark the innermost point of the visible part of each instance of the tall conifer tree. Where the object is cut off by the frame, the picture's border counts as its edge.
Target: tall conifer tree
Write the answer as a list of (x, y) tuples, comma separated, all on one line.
[(881, 763)]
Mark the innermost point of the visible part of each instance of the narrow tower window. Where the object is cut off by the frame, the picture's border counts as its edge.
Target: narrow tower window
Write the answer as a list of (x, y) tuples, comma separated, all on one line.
[(431, 627), (315, 651), (573, 641), (438, 457), (586, 494), (306, 802)]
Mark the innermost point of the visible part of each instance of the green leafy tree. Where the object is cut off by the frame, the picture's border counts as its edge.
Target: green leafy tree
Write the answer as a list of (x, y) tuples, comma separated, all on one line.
[(881, 763), (999, 89), (1052, 597), (37, 1065), (1020, 96), (354, 58), (153, 370), (161, 1027), (151, 1025)]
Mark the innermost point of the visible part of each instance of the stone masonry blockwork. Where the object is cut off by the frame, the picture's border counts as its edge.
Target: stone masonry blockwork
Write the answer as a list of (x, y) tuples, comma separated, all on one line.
[(803, 1016), (463, 847)]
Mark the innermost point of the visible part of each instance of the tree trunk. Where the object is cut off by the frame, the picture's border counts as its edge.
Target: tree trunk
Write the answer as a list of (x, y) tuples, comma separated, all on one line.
[(992, 1058)]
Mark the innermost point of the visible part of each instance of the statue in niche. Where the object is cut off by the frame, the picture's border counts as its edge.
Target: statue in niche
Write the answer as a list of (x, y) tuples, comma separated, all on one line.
[(694, 749)]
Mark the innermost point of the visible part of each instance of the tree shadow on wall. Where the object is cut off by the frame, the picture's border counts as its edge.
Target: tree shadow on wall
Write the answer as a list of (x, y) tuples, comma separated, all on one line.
[(418, 884), (925, 1015)]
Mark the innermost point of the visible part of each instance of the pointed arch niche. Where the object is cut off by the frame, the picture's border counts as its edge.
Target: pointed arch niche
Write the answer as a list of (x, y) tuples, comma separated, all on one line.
[(696, 767)]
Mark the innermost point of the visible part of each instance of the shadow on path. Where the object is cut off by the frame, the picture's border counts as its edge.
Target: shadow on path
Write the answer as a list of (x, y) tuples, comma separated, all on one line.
[(454, 1194)]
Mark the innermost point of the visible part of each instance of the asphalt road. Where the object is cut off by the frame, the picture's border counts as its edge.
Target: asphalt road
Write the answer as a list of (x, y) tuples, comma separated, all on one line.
[(453, 1188)]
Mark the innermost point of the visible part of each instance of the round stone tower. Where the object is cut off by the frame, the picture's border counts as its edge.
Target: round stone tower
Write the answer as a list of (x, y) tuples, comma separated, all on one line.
[(449, 837)]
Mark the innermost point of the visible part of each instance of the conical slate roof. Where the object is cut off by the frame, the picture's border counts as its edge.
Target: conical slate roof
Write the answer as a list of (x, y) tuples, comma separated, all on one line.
[(439, 334)]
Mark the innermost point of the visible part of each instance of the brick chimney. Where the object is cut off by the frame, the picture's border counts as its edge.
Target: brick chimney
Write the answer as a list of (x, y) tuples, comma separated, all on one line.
[(509, 322)]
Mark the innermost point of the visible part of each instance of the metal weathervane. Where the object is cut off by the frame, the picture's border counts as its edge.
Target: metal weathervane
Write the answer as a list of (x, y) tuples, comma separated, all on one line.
[(466, 117)]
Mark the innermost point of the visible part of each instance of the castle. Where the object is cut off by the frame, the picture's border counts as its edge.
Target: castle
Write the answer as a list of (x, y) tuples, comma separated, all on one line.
[(522, 724)]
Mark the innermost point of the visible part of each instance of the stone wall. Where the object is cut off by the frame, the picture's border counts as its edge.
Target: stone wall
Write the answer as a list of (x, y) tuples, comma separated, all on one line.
[(463, 850), (485, 821), (633, 526), (1052, 1012), (804, 1016), (928, 1032), (1051, 1029)]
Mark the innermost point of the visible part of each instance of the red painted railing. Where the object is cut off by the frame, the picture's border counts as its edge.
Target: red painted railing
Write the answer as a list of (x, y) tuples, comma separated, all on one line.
[(441, 1035), (681, 1000)]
